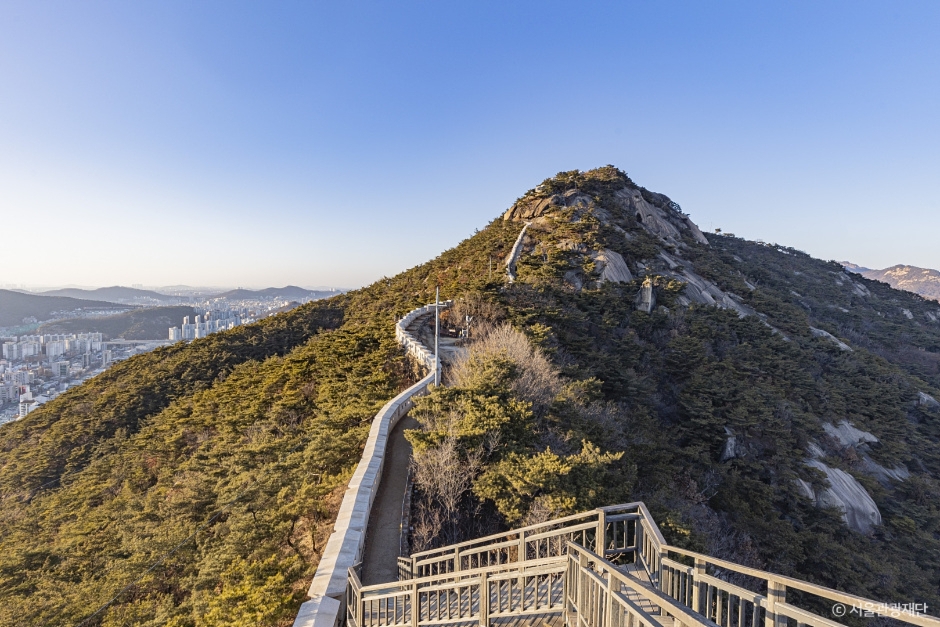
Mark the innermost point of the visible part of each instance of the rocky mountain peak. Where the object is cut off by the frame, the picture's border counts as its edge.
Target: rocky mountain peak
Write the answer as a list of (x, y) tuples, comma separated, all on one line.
[(601, 218), (612, 198)]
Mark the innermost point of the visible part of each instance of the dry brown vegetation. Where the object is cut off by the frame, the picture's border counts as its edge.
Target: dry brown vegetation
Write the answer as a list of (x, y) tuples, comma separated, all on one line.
[(486, 441)]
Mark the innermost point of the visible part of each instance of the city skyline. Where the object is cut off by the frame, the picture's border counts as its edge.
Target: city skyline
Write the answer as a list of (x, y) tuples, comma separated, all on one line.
[(335, 144)]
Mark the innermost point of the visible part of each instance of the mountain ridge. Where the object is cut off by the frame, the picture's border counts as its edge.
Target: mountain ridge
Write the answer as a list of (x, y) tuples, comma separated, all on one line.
[(113, 293), (290, 292), (118, 293), (723, 382), (15, 306), (922, 281)]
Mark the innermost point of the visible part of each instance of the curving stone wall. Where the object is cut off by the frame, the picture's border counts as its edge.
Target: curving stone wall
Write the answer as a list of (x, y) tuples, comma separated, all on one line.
[(420, 352), (346, 544), (513, 255)]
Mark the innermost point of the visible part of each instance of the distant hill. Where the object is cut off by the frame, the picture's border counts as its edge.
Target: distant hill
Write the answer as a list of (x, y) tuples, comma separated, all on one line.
[(923, 281), (140, 324), (115, 293), (853, 267), (130, 295), (290, 292), (15, 306)]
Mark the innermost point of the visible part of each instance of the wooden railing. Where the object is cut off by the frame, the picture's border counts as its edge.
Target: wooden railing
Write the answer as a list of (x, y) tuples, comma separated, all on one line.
[(600, 594), (703, 587), (404, 568), (478, 595), (610, 567), (617, 525)]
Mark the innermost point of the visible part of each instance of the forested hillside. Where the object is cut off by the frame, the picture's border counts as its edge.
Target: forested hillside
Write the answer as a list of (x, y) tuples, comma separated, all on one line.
[(727, 383), (245, 438), (642, 360), (720, 409)]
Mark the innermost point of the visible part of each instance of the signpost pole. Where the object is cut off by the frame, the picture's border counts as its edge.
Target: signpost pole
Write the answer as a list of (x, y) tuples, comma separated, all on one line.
[(437, 332)]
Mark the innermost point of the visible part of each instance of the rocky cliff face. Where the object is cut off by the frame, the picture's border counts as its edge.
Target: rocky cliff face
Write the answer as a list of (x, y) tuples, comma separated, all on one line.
[(656, 213)]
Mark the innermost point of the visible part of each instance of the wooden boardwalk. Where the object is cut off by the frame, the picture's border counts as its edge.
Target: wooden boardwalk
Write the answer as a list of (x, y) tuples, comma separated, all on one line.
[(525, 599), (563, 572), (639, 573), (555, 619)]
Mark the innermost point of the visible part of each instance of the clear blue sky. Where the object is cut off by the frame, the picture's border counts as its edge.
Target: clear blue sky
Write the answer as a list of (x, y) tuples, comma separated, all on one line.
[(332, 143)]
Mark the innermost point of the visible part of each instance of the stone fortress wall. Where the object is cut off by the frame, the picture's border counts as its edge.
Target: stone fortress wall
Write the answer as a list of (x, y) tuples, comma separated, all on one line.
[(346, 544)]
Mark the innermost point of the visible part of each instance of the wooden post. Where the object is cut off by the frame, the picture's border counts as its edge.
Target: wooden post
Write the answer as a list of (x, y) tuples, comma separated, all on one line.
[(415, 606), (776, 593), (659, 556), (696, 584), (639, 544), (484, 599), (566, 587), (601, 540), (456, 559), (582, 568), (522, 551), (609, 601)]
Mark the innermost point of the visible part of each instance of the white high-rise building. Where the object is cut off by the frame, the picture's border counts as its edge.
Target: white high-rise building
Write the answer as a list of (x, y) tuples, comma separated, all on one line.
[(220, 320), (27, 404), (9, 393), (23, 377), (55, 348)]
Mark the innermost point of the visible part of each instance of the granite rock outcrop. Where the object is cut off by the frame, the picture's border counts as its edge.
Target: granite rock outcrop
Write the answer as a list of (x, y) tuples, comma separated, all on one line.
[(646, 297), (829, 336), (612, 267), (639, 209), (845, 493), (927, 401)]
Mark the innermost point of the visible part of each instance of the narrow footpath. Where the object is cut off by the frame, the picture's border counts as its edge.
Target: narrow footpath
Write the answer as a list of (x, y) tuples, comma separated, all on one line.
[(383, 533), (380, 559)]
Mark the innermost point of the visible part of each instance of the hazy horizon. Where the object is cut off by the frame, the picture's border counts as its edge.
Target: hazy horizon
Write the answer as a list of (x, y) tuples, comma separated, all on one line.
[(240, 144), (38, 289)]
